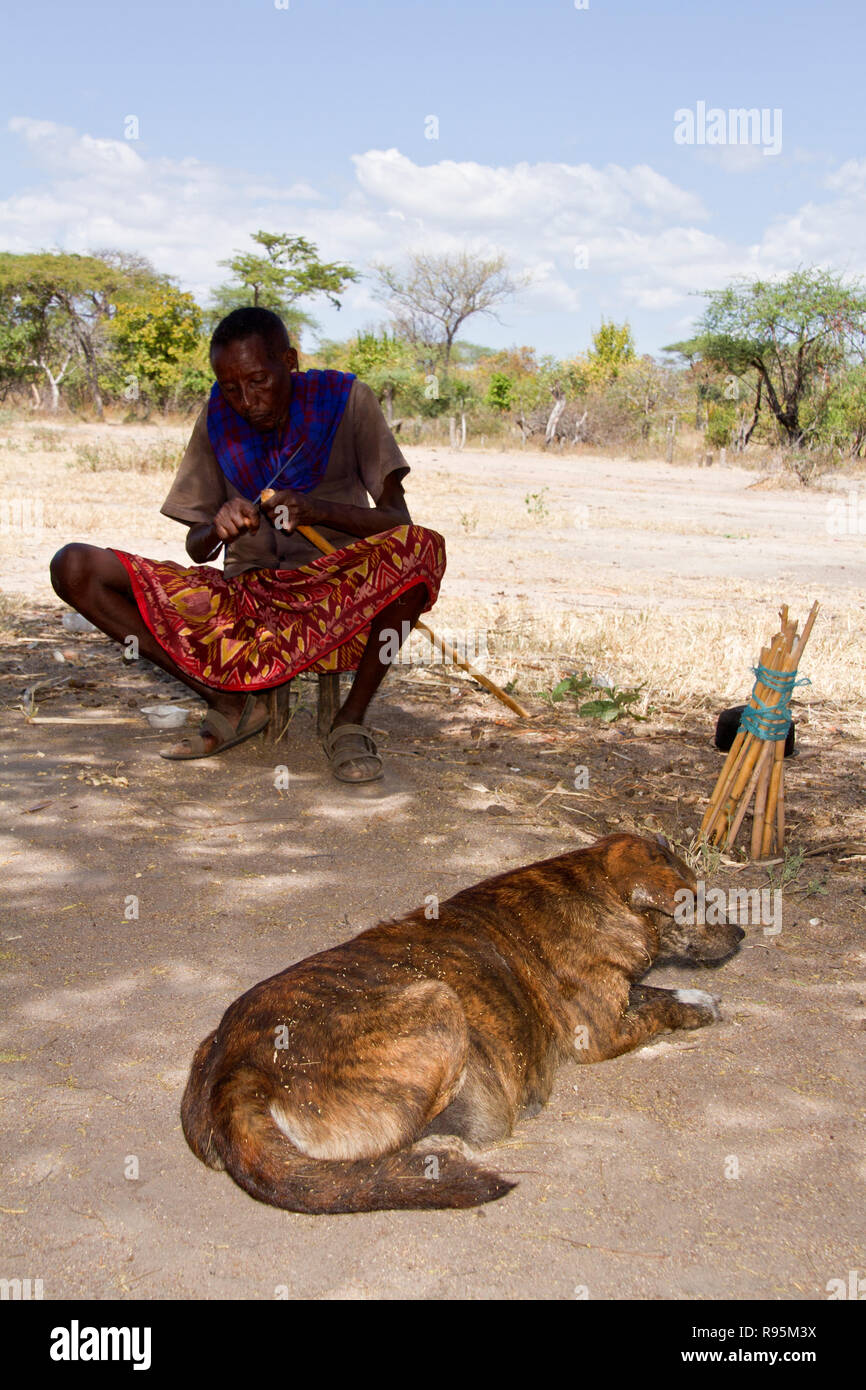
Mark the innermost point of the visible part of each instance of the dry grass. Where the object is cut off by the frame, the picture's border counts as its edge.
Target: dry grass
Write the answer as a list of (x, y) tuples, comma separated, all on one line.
[(160, 456), (92, 481), (702, 660)]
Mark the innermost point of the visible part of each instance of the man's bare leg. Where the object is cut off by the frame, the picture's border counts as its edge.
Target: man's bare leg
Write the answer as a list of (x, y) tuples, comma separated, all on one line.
[(399, 617), (94, 581)]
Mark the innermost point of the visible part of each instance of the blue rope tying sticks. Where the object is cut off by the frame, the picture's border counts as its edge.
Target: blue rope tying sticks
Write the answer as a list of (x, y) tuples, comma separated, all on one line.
[(771, 722), (755, 764)]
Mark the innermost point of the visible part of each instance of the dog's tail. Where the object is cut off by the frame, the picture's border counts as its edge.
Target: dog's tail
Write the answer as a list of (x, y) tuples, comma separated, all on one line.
[(266, 1164)]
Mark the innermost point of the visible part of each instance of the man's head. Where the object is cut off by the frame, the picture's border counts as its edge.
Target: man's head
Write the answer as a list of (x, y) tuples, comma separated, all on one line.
[(252, 360)]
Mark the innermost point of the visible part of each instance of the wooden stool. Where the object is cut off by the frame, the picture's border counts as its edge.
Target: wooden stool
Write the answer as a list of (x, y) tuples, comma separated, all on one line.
[(279, 706)]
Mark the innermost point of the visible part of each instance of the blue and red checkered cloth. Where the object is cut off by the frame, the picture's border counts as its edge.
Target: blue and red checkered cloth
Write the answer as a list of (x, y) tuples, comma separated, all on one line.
[(249, 459)]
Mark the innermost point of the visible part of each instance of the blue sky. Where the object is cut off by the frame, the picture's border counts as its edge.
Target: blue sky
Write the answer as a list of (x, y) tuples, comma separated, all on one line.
[(555, 144)]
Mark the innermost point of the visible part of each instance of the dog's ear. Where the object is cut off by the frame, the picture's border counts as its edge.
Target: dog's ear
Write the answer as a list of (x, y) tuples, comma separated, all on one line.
[(662, 840), (657, 893), (660, 886), (647, 875)]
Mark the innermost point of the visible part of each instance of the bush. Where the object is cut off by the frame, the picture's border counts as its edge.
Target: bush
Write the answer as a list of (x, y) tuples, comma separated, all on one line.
[(721, 420), (500, 391)]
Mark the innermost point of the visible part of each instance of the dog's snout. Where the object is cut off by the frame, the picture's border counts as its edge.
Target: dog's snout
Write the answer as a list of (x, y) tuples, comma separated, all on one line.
[(739, 933)]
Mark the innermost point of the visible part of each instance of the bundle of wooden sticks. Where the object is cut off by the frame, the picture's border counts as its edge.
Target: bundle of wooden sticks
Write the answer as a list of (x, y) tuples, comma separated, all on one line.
[(755, 764)]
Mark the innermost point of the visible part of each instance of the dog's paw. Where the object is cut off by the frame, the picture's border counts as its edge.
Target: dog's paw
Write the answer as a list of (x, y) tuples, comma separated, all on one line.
[(705, 1005)]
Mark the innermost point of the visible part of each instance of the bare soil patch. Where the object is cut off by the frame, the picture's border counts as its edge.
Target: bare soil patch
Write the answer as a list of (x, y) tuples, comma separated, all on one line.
[(669, 577)]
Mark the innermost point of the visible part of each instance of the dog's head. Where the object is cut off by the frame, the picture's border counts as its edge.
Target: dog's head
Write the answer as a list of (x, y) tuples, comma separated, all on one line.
[(652, 880)]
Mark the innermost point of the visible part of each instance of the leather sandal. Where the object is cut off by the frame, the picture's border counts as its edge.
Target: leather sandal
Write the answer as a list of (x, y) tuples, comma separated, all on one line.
[(341, 747), (219, 728)]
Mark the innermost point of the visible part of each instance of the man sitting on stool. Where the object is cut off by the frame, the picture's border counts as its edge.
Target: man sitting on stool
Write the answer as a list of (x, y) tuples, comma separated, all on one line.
[(278, 606)]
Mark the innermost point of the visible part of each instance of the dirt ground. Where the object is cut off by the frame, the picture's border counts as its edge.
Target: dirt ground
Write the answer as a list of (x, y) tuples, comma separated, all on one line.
[(723, 1163)]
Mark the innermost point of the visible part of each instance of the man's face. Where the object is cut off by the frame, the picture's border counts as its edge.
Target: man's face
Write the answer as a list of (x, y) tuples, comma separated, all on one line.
[(256, 384)]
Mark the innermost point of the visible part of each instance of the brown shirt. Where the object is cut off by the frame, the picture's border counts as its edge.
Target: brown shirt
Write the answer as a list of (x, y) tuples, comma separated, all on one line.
[(363, 454)]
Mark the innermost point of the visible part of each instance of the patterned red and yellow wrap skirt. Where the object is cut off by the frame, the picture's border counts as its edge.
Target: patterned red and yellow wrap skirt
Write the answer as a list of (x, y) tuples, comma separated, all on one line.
[(264, 626)]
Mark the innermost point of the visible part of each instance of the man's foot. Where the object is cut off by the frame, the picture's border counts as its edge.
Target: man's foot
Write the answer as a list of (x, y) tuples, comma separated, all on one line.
[(352, 753), (221, 729)]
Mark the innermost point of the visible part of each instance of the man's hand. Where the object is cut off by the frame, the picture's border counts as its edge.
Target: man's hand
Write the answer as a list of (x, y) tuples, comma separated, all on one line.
[(235, 517), (289, 509)]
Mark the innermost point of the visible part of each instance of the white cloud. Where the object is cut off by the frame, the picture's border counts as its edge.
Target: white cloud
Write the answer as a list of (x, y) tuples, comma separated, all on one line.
[(477, 194), (66, 152), (644, 239)]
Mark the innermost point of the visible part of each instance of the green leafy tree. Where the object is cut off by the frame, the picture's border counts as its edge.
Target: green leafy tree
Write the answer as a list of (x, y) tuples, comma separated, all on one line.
[(53, 307), (385, 363), (60, 306), (154, 335), (194, 376), (288, 271), (612, 345), (793, 335), (33, 344), (517, 365), (532, 381)]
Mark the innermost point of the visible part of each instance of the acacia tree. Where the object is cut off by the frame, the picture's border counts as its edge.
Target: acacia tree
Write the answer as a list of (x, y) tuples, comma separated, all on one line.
[(53, 303), (845, 419), (438, 294), (61, 303), (289, 270), (793, 336), (110, 314), (34, 341)]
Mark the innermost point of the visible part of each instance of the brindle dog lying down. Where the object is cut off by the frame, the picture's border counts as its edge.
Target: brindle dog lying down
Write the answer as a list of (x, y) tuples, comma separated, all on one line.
[(329, 1087)]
